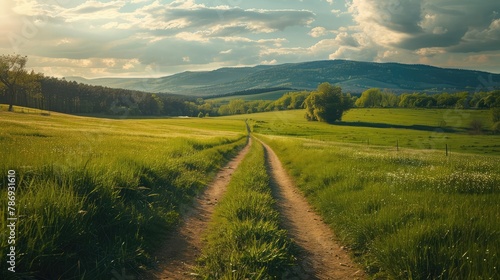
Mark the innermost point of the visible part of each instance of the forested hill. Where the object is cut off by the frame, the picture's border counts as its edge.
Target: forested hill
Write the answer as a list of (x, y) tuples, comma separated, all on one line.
[(352, 76)]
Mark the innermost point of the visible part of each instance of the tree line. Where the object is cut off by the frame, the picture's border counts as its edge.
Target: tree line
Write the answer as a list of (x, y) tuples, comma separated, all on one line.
[(375, 97)]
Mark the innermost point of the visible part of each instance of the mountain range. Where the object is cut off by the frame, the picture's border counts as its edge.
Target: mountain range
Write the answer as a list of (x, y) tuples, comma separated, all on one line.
[(352, 76)]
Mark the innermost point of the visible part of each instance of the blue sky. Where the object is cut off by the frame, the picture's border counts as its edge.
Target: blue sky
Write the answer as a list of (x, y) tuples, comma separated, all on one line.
[(147, 38)]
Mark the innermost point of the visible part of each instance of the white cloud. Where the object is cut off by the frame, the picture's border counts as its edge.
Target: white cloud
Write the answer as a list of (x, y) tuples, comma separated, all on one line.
[(269, 62)]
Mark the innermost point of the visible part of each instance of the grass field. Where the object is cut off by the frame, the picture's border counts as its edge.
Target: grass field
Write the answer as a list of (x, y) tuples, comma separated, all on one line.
[(406, 128), (408, 212), (407, 215), (95, 195)]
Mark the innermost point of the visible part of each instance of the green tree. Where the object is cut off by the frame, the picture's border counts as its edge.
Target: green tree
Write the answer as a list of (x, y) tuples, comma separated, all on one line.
[(326, 104), (237, 106), (370, 98), (14, 78)]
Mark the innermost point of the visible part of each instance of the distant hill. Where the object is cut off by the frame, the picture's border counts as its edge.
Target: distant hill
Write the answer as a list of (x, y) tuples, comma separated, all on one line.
[(352, 76)]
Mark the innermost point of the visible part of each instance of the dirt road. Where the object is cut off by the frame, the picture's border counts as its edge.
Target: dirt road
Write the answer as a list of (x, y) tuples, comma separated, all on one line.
[(321, 256), (178, 254)]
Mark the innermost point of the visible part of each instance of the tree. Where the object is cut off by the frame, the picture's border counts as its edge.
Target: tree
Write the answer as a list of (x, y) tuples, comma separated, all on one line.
[(326, 104), (15, 79)]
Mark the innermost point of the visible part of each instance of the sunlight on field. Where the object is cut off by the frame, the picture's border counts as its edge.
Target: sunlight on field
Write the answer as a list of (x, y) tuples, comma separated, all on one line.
[(97, 194), (405, 128), (408, 214), (101, 192)]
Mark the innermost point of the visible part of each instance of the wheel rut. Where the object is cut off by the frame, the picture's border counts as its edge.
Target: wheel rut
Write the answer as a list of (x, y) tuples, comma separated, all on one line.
[(320, 255), (177, 256)]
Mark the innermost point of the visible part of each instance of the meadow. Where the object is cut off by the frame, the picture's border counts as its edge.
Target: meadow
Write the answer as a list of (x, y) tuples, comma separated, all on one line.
[(398, 128), (409, 212), (407, 215), (94, 196)]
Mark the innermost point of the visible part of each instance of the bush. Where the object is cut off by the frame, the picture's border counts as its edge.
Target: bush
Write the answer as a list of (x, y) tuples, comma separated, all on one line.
[(326, 104), (476, 126)]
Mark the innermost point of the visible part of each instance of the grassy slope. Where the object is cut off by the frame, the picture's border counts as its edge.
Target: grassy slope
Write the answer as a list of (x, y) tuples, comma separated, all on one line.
[(385, 127), (94, 195)]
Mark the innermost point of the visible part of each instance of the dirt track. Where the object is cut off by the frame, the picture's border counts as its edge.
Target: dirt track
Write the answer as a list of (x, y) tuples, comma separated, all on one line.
[(321, 257), (178, 254)]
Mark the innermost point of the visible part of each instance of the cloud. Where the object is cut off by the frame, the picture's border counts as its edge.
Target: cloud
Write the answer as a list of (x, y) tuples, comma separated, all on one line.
[(417, 24), (318, 32), (199, 16), (477, 40), (93, 7)]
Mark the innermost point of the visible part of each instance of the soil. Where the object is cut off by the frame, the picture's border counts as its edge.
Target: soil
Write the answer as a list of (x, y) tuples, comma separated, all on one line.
[(321, 256)]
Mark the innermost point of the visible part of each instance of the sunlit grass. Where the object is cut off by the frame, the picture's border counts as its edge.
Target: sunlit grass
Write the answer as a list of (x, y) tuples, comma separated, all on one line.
[(96, 195), (408, 215), (404, 128)]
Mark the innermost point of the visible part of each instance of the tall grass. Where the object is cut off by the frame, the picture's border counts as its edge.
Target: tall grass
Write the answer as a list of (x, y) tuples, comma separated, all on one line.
[(411, 214), (244, 239), (95, 196)]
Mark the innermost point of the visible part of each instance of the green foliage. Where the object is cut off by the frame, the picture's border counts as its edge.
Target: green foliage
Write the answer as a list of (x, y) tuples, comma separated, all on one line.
[(96, 195), (374, 97), (291, 100), (16, 81), (407, 215), (326, 104), (244, 239)]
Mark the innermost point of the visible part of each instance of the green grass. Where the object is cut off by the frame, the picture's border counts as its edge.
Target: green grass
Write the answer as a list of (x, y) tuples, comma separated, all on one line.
[(407, 128), (244, 240), (411, 214), (96, 195)]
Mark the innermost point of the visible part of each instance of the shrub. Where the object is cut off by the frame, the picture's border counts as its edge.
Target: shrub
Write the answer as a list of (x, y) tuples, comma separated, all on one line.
[(476, 126)]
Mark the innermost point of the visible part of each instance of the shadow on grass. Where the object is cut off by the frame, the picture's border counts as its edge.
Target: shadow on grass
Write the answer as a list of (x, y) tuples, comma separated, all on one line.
[(386, 125)]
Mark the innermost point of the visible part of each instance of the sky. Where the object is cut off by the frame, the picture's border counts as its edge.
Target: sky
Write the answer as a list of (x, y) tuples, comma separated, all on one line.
[(151, 38)]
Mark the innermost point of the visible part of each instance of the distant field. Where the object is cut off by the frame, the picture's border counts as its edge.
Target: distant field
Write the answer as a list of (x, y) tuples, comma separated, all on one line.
[(408, 128)]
